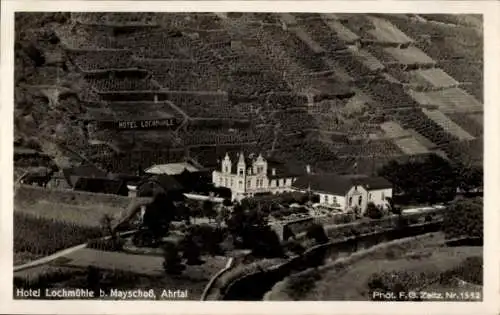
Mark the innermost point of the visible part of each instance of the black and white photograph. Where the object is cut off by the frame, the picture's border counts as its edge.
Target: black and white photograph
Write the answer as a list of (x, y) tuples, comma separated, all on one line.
[(248, 156)]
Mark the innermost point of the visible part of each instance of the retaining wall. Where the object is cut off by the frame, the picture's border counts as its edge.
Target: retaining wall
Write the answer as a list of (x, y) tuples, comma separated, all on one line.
[(251, 282)]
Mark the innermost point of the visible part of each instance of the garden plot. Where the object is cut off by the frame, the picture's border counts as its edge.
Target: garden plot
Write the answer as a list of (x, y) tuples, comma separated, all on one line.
[(407, 56), (344, 33), (386, 32), (394, 130), (447, 124), (435, 77), (411, 146), (448, 100)]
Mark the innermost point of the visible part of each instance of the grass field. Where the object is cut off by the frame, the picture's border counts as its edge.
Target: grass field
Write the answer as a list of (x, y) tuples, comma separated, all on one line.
[(88, 216), (351, 284)]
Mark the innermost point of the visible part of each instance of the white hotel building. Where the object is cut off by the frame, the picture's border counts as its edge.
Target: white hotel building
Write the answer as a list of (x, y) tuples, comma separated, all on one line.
[(247, 176)]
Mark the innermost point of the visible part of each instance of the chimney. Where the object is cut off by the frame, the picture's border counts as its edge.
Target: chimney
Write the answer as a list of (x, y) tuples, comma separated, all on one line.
[(273, 171), (308, 169)]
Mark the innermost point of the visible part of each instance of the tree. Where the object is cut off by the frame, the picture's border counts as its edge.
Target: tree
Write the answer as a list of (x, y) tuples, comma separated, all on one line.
[(158, 216), (227, 203), (393, 208), (222, 215), (469, 177), (208, 209), (373, 212), (184, 213), (208, 238), (265, 242), (172, 262), (107, 224), (429, 181), (317, 232), (464, 218), (295, 247), (191, 251)]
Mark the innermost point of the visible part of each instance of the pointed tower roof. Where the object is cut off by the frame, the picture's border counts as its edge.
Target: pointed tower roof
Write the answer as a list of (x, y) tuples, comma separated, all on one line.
[(241, 158)]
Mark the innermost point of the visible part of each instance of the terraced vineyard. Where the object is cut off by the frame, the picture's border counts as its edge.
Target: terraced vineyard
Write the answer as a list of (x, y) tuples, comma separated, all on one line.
[(407, 84)]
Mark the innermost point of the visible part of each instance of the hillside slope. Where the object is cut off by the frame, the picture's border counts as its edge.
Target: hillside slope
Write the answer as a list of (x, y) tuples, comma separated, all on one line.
[(342, 92)]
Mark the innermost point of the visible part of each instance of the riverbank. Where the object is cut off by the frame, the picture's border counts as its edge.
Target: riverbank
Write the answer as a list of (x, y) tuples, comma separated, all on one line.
[(347, 278)]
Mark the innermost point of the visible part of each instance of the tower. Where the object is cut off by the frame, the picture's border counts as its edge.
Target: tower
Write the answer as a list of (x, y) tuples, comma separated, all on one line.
[(241, 165), (226, 164), (261, 165)]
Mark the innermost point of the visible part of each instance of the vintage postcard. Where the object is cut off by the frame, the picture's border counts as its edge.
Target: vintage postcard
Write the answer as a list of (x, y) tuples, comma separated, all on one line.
[(174, 157)]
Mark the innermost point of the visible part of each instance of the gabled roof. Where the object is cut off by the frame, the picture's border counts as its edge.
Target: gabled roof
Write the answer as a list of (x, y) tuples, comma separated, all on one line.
[(88, 171), (99, 185), (372, 183), (167, 182), (328, 183), (339, 184), (171, 168)]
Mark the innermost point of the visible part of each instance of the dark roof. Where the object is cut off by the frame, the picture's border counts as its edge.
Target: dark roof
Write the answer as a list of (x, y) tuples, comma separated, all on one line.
[(100, 185), (373, 183), (88, 171), (125, 177), (338, 184), (167, 182)]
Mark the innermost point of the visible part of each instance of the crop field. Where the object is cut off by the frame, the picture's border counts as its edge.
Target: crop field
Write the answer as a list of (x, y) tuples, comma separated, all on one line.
[(46, 221), (88, 216), (36, 237)]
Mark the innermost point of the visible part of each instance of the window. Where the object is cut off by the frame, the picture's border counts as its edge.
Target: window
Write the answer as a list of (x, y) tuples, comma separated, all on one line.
[(334, 199), (383, 196), (220, 181), (240, 172), (370, 196), (240, 184), (259, 169), (249, 183), (360, 199), (325, 199), (350, 201), (225, 182), (226, 169), (232, 182)]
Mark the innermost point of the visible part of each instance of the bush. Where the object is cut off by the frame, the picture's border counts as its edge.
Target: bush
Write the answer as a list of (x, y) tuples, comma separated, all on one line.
[(295, 247), (172, 262), (373, 212), (471, 270), (464, 218), (317, 232), (207, 238), (110, 245), (397, 282)]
